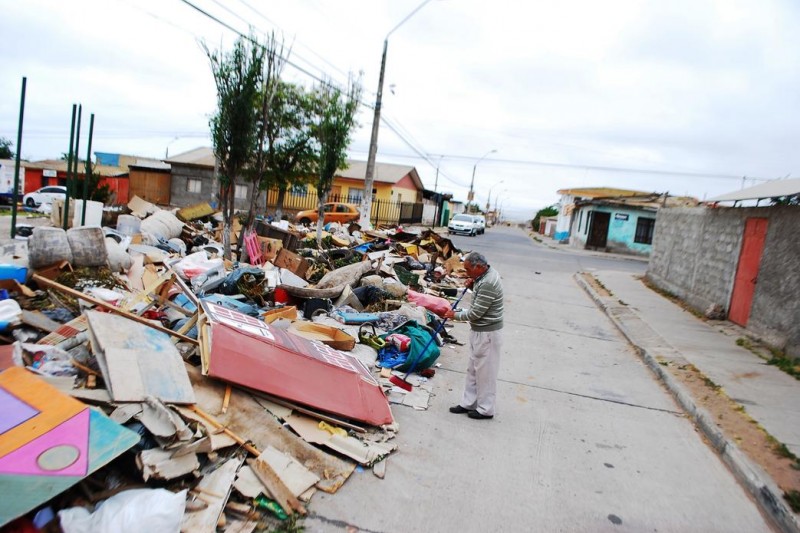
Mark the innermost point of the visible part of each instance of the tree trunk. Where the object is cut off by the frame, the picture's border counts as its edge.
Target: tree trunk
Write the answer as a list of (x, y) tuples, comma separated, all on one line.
[(279, 203), (323, 197)]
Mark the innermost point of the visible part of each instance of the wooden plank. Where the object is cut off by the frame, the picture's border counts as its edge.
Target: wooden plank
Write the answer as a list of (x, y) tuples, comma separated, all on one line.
[(276, 487), (215, 488), (124, 378), (247, 418), (138, 362), (295, 476), (39, 321), (53, 285)]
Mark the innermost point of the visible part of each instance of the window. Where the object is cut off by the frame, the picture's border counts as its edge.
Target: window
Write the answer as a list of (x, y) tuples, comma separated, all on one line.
[(580, 220), (194, 186), (644, 230), (354, 195), (240, 192)]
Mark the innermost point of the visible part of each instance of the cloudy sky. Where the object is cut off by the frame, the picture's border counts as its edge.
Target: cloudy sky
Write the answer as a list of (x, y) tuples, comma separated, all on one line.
[(690, 97)]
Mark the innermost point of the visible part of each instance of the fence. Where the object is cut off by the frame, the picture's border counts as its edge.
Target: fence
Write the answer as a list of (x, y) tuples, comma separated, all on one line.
[(383, 211)]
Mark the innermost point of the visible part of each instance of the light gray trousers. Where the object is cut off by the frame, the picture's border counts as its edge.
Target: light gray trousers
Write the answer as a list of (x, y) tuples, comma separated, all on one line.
[(480, 388)]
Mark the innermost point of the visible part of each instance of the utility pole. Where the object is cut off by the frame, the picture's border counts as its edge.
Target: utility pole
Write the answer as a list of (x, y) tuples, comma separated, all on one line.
[(471, 194), (369, 177)]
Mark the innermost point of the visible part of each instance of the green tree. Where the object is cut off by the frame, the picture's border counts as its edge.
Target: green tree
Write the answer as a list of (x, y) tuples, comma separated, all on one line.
[(5, 149), (274, 62), (549, 211), (336, 119), (291, 152), (234, 125), (95, 191)]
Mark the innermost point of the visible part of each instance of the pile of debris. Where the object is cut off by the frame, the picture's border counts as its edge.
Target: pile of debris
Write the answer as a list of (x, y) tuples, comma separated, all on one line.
[(141, 370)]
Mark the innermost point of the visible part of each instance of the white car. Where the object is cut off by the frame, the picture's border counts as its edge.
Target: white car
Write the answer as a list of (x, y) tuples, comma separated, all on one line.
[(44, 196), (466, 224), (481, 223)]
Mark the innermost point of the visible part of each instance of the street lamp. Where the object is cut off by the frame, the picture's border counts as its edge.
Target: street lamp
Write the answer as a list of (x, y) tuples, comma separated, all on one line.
[(489, 199), (369, 177), (475, 166)]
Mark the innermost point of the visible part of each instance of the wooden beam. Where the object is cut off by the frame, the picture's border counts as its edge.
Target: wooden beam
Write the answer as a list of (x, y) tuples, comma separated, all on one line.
[(116, 310)]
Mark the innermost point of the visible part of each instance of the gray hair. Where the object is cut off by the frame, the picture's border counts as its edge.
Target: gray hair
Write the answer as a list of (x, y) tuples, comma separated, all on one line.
[(476, 259)]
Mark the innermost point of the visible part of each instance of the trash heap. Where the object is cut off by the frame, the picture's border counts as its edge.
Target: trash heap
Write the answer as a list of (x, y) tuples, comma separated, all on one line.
[(146, 382)]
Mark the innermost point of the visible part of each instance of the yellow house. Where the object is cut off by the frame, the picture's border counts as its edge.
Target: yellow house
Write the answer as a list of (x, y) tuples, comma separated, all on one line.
[(394, 186), (396, 183)]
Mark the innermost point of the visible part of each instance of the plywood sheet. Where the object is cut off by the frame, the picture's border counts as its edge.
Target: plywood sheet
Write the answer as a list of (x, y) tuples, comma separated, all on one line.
[(249, 419), (48, 442), (138, 361)]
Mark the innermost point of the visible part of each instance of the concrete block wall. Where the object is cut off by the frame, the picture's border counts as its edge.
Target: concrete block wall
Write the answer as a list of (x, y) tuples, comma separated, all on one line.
[(180, 196), (775, 315), (696, 253), (180, 176)]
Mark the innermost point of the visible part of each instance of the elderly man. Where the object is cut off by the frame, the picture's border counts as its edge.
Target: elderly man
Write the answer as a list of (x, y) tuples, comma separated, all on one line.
[(485, 316)]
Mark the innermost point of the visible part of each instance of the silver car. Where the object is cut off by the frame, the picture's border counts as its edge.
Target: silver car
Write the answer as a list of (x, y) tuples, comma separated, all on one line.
[(464, 224)]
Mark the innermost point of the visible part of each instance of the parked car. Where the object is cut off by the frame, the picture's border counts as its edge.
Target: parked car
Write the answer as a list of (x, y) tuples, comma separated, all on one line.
[(44, 195), (482, 223), (462, 223), (334, 212)]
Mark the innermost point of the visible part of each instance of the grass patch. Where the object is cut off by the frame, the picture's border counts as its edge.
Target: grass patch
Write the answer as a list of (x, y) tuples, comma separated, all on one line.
[(775, 358), (792, 497), (600, 284), (290, 525)]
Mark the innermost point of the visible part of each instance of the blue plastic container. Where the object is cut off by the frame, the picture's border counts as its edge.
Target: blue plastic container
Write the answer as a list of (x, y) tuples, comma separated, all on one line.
[(16, 272)]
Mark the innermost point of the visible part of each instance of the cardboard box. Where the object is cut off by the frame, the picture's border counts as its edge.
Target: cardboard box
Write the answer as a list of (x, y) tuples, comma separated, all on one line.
[(292, 262)]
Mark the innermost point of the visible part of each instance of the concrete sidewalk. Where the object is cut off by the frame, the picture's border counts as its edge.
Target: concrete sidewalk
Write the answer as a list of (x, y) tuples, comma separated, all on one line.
[(663, 331)]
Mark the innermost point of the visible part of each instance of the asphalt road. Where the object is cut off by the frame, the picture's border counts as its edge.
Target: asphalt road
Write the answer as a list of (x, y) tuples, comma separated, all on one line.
[(585, 439)]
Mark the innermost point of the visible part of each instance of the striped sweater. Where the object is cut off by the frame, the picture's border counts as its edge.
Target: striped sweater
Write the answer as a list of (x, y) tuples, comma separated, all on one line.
[(486, 311)]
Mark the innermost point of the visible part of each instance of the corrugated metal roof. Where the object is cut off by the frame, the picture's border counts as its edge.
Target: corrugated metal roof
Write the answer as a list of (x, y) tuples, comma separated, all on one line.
[(384, 172), (203, 157), (602, 192), (770, 189), (61, 166)]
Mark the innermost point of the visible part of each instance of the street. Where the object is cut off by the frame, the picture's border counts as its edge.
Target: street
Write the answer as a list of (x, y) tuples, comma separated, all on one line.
[(585, 437)]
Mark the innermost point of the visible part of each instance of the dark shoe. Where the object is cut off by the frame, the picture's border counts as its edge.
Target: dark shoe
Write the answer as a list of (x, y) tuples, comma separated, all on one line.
[(460, 410), (477, 416)]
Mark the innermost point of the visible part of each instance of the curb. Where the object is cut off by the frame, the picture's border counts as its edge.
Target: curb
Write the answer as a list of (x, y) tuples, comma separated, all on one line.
[(758, 483)]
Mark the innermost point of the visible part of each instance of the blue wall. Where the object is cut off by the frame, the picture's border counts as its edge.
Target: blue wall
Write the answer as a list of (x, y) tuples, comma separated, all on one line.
[(621, 228), (621, 232)]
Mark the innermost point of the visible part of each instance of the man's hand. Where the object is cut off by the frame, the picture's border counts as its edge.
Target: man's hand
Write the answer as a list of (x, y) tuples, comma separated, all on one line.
[(449, 314), (468, 284)]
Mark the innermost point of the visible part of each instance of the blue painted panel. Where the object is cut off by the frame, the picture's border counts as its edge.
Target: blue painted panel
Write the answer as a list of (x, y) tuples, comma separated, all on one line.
[(105, 158)]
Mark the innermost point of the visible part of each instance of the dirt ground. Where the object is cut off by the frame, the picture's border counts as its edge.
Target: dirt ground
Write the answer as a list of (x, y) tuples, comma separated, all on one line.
[(735, 423)]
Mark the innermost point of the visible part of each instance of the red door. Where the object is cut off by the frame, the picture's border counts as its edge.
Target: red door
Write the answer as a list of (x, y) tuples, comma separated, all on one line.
[(744, 285)]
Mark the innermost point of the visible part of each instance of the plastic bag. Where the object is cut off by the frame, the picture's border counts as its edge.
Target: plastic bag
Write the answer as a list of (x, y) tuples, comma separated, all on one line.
[(434, 304), (403, 342), (196, 264), (131, 511)]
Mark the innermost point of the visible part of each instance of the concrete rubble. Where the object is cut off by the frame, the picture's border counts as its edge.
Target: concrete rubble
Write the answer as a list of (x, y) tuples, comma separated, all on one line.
[(240, 387)]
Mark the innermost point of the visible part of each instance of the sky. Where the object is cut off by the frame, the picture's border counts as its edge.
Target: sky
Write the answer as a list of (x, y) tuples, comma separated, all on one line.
[(514, 99)]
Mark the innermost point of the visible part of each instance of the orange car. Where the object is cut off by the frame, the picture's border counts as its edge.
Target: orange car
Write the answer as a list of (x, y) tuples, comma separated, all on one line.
[(334, 212)]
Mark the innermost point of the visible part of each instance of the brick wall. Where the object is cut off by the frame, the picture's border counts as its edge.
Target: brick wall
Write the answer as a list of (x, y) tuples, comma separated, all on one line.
[(696, 253)]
